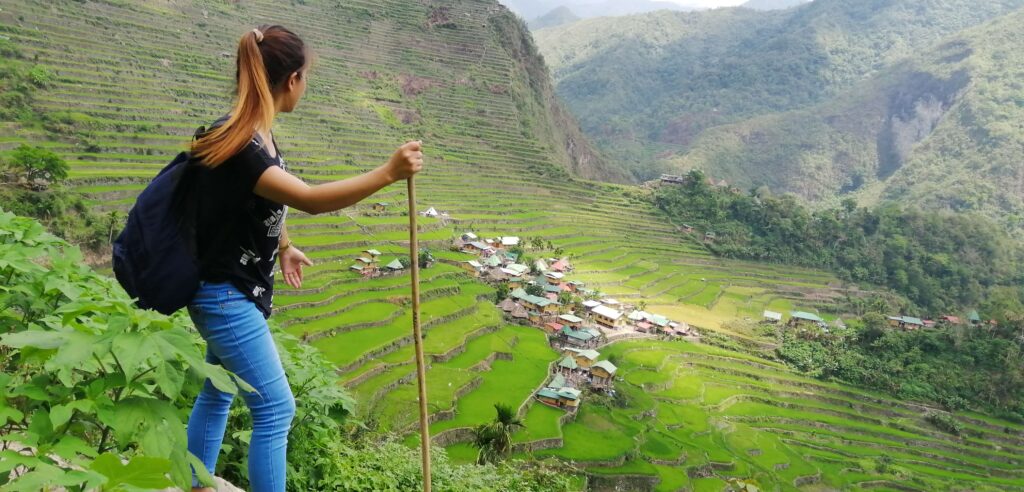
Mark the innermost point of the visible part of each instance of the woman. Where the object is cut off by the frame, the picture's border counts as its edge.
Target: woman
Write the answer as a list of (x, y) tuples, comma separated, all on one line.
[(244, 195)]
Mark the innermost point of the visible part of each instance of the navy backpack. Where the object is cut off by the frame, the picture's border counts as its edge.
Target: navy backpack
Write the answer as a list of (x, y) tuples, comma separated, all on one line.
[(155, 257)]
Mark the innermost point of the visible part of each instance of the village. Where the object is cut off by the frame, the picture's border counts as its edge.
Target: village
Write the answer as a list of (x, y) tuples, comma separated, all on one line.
[(576, 319), (804, 320)]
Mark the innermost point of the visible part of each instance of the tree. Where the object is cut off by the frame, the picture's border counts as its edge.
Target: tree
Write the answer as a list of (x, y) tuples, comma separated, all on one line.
[(501, 292), (38, 164), (535, 290), (494, 439), (113, 220), (426, 258)]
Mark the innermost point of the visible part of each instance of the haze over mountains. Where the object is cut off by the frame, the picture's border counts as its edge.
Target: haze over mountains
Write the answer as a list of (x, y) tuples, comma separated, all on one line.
[(909, 100)]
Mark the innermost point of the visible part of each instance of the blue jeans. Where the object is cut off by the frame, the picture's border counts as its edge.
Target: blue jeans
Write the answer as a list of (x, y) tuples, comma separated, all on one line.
[(238, 338)]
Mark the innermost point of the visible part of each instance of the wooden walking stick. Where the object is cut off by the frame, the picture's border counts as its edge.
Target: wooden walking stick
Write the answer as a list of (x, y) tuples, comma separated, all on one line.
[(421, 370)]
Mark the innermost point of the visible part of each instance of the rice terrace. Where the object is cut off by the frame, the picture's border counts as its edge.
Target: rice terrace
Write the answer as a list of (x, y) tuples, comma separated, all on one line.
[(635, 356)]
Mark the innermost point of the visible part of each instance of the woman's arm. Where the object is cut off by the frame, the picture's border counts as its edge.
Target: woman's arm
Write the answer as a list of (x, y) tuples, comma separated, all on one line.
[(277, 185)]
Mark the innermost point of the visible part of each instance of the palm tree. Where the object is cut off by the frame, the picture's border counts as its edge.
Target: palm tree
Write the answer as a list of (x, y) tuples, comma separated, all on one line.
[(494, 439)]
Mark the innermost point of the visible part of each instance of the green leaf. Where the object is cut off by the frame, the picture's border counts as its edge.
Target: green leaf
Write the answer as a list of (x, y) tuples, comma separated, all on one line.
[(141, 471), (205, 478), (60, 415), (10, 460), (170, 379), (9, 414), (78, 349), (69, 446), (33, 338), (132, 350)]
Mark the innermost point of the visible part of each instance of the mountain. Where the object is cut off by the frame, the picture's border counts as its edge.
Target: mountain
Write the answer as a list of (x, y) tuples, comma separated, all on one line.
[(558, 16), (534, 9), (939, 130), (773, 4), (648, 87)]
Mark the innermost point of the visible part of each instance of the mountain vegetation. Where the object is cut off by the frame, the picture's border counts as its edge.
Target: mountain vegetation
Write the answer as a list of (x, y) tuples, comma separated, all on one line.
[(906, 100), (939, 260)]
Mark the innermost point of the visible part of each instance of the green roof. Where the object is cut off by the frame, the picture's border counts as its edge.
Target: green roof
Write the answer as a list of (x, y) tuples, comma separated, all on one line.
[(973, 316), (395, 265), (568, 362), (571, 318), (607, 366), (357, 268), (589, 353), (807, 316), (570, 393), (557, 382), (548, 392), (519, 293), (373, 252), (577, 334)]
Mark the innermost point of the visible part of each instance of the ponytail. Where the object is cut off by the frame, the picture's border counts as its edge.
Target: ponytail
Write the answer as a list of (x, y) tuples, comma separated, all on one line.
[(267, 56)]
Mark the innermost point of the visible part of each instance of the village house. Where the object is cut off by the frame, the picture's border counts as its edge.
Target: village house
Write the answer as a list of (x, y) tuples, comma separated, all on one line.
[(948, 320), (472, 267), (973, 317), (606, 316), (571, 320), (567, 365), (540, 265), (430, 212), (476, 247), (575, 286), (584, 357), (582, 338), (803, 318), (602, 373), (520, 313), (561, 266), (906, 322), (554, 278), (589, 305), (772, 317), (559, 392), (553, 328), (709, 237), (532, 302), (380, 206), (687, 228), (508, 242), (394, 266), (515, 269), (507, 305)]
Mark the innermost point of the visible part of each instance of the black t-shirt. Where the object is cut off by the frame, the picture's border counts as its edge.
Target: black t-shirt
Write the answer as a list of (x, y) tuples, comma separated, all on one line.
[(237, 231)]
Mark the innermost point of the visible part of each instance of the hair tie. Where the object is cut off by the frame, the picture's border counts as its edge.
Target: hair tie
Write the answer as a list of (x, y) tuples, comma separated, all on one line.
[(259, 35)]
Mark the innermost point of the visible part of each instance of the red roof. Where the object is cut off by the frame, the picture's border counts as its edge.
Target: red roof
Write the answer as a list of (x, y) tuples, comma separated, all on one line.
[(951, 319), (565, 287), (552, 296), (559, 265), (554, 326), (643, 324)]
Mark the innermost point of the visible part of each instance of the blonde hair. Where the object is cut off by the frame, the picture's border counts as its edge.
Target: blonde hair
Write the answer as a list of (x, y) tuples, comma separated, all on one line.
[(267, 56)]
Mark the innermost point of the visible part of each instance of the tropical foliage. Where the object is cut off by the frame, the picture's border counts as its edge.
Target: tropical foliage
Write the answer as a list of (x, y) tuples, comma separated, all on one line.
[(940, 261)]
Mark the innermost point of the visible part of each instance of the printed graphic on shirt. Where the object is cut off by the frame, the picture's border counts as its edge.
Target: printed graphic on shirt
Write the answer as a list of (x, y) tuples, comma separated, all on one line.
[(274, 223), (248, 256), (258, 291)]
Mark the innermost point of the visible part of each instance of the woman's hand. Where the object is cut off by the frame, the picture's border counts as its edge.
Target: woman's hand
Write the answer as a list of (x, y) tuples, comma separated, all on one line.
[(291, 265), (406, 161)]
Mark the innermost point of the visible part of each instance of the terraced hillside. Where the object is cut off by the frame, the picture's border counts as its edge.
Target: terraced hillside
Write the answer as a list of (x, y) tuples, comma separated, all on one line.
[(698, 413), (133, 80)]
